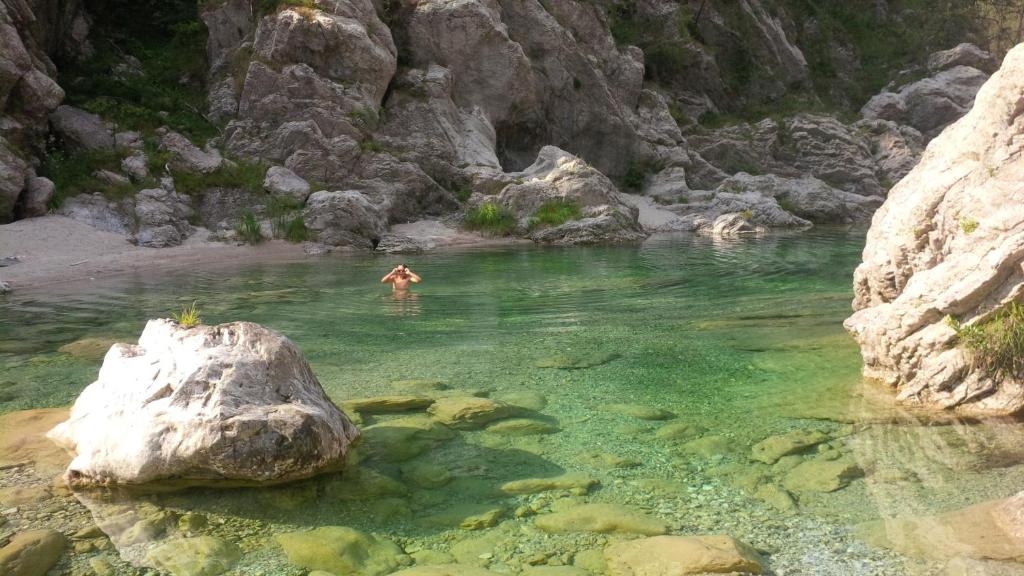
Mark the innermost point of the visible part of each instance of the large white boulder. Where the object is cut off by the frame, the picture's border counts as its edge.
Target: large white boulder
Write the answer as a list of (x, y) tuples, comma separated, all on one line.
[(234, 403), (949, 242)]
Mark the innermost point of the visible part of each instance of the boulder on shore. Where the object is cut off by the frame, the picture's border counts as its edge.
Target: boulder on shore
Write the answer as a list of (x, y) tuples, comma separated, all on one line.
[(945, 251), (235, 403)]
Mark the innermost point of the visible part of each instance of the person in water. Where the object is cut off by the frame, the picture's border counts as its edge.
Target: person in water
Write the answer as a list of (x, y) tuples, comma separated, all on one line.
[(400, 277)]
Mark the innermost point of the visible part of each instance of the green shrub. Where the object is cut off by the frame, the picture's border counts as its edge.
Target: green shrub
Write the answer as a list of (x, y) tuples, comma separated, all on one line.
[(463, 192), (171, 90), (371, 145), (247, 175), (286, 220), (996, 344), (636, 174), (490, 218), (249, 229), (554, 213), (968, 225), (72, 174), (747, 214), (189, 316)]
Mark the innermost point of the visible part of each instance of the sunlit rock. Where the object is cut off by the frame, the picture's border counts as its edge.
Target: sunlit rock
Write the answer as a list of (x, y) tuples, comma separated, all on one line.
[(681, 555), (601, 518), (229, 403)]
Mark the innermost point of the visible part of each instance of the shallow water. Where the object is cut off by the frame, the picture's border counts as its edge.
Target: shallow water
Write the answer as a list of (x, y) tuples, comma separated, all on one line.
[(741, 339)]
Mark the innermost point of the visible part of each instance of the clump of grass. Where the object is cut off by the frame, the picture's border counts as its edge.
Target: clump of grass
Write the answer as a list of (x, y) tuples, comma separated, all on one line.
[(286, 221), (968, 225), (249, 229), (554, 213), (270, 6), (371, 145), (997, 343), (747, 214), (463, 192), (490, 218), (242, 174), (189, 316)]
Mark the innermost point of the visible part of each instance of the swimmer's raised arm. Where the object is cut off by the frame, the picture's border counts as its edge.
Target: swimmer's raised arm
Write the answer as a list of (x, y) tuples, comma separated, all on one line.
[(413, 276)]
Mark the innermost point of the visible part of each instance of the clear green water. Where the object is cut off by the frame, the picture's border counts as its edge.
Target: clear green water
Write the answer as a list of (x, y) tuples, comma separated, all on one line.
[(743, 339)]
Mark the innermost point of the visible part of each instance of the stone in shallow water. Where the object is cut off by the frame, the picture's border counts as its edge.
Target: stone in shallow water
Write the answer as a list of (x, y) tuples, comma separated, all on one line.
[(446, 570), (91, 349), (393, 443), (591, 560), (525, 399), (570, 481), (637, 411), (708, 446), (568, 362), (820, 475), (421, 386), (432, 557), (679, 431), (522, 427), (776, 497), (606, 461), (31, 553), (772, 448), (554, 571), (426, 475), (364, 484), (681, 555), (601, 518), (991, 530), (341, 550), (467, 516), (387, 404), (469, 412), (200, 556)]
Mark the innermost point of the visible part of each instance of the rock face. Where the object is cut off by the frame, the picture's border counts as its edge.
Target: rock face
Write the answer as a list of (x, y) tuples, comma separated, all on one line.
[(931, 104), (560, 176), (341, 550), (175, 406), (949, 241)]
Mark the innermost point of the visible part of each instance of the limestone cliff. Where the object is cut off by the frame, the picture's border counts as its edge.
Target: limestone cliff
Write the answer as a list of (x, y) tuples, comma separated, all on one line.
[(943, 263)]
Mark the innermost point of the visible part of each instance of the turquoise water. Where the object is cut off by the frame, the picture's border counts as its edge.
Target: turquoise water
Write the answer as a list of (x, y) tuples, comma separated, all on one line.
[(742, 340)]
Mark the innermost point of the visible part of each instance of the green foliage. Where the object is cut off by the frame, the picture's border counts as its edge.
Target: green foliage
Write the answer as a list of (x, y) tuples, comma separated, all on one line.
[(665, 42), (247, 175), (270, 6), (462, 192), (249, 229), (968, 225), (747, 214), (636, 174), (365, 117), (189, 316), (490, 218), (169, 42), (996, 344), (72, 174), (371, 145), (286, 221), (788, 206), (679, 115), (554, 213)]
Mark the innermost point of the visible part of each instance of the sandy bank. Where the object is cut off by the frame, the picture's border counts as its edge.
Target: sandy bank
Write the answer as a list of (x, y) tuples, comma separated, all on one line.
[(54, 250)]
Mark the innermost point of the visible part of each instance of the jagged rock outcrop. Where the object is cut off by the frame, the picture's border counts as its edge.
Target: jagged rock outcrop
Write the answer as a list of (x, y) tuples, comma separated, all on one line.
[(807, 197), (234, 403), (161, 217), (559, 176), (949, 242), (31, 34), (934, 102)]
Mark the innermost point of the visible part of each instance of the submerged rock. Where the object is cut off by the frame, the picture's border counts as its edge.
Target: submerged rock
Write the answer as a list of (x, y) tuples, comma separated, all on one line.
[(637, 411), (90, 348), (948, 244), (772, 448), (32, 553), (446, 570), (466, 516), (199, 556), (522, 427), (601, 518), (341, 550), (991, 530), (681, 555), (822, 475), (567, 362), (177, 405), (469, 411), (387, 404), (569, 481)]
